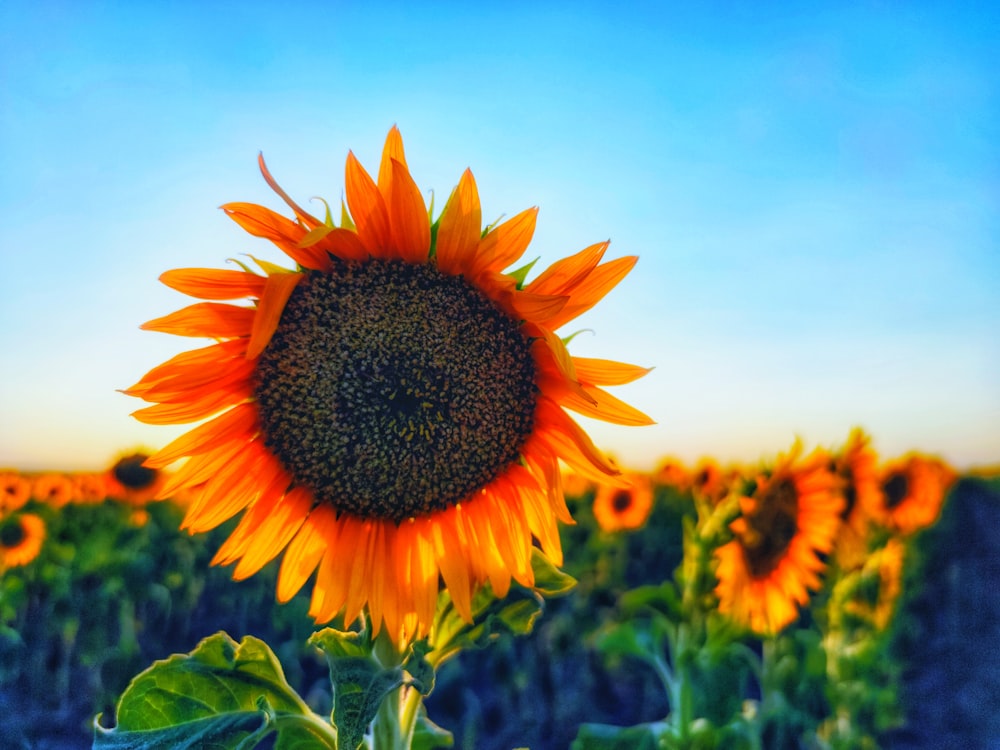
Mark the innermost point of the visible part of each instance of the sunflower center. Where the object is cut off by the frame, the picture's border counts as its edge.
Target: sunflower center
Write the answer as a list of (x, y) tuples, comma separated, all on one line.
[(621, 501), (895, 489), (132, 475), (772, 527), (392, 390), (12, 534)]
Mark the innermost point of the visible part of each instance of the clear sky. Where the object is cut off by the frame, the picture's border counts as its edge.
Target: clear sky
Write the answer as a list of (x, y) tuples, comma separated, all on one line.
[(813, 194)]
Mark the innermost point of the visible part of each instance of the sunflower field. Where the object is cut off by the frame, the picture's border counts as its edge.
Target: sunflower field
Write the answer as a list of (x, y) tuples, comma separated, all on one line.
[(99, 582)]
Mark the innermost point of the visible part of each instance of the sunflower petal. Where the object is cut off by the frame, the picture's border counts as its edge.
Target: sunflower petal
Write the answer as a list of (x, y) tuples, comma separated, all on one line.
[(205, 319), (277, 290), (411, 229), (367, 209), (214, 283), (506, 243), (607, 372), (460, 227)]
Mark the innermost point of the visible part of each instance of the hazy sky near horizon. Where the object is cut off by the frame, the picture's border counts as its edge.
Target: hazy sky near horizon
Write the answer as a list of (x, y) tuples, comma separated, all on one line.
[(813, 195)]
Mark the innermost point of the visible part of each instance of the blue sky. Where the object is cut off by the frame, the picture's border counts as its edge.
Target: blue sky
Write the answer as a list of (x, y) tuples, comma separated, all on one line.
[(813, 194)]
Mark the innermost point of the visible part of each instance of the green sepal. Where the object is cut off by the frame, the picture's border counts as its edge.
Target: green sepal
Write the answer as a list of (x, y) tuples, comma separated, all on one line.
[(550, 581), (520, 274), (360, 683), (222, 695)]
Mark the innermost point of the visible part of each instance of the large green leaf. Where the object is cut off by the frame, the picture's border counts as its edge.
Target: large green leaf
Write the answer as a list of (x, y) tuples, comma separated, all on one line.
[(222, 695)]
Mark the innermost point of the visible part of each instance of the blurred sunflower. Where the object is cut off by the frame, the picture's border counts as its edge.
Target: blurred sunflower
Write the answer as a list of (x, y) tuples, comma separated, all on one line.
[(53, 489), (392, 408), (15, 491), (788, 519), (90, 488), (913, 489), (856, 467), (673, 473), (130, 481), (708, 480), (619, 508), (21, 538)]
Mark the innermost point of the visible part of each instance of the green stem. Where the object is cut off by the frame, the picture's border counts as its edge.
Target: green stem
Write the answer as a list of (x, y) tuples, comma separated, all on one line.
[(396, 718)]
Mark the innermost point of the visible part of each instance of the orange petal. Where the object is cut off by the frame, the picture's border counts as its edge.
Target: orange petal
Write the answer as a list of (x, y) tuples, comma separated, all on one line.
[(285, 233), (600, 404), (344, 244), (569, 442), (593, 288), (411, 229), (536, 308), (367, 208), (506, 243), (213, 283), (306, 218), (276, 530), (209, 319), (277, 290), (459, 227), (240, 420), (563, 275), (317, 534), (393, 150), (450, 553), (607, 372), (243, 535), (192, 411)]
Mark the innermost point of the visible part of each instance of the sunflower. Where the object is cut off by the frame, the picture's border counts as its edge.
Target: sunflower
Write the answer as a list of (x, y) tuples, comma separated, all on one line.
[(856, 467), (708, 480), (913, 489), (391, 412), (21, 538), (90, 488), (619, 508), (53, 489), (15, 491), (672, 472), (129, 480), (789, 516)]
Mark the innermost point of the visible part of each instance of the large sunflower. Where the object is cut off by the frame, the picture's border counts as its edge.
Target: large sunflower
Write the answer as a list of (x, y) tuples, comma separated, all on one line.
[(392, 410), (789, 516)]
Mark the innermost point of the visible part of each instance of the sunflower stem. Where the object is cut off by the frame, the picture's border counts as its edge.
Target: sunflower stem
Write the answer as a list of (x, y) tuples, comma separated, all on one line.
[(394, 723)]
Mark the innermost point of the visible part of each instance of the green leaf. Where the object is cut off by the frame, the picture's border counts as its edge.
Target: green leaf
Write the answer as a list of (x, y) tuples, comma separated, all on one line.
[(222, 695), (549, 580)]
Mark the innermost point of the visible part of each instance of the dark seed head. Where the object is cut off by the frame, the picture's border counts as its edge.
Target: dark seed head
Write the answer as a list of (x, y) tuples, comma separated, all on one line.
[(393, 390)]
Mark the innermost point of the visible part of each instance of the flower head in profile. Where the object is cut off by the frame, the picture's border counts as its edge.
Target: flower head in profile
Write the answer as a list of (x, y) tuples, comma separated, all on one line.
[(21, 538), (618, 508), (788, 518), (390, 412), (856, 466), (912, 490)]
